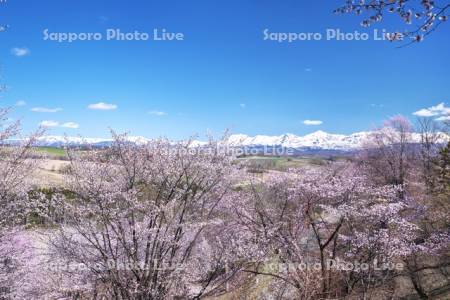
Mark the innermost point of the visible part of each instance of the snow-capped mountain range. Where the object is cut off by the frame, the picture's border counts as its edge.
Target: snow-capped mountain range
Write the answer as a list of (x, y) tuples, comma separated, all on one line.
[(318, 140)]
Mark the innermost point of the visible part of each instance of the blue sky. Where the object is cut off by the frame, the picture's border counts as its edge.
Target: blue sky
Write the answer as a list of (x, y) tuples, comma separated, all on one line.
[(222, 75)]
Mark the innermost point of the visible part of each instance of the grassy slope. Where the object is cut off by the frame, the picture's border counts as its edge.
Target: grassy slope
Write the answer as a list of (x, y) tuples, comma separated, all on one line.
[(52, 151), (282, 163)]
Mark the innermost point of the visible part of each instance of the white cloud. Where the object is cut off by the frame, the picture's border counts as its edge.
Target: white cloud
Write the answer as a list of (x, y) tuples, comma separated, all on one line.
[(72, 125), (425, 113), (102, 106), (157, 113), (49, 123), (243, 105), (46, 109), (443, 118), (19, 52), (21, 103), (312, 122), (308, 69), (440, 111)]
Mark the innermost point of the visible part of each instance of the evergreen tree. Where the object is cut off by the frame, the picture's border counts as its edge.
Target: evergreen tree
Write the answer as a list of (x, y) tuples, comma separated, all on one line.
[(443, 170)]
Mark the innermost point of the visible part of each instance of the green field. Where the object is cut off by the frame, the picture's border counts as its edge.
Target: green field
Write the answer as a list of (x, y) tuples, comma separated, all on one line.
[(281, 163), (52, 151)]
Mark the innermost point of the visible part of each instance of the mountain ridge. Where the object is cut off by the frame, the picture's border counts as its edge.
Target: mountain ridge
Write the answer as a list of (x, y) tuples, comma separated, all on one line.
[(320, 140)]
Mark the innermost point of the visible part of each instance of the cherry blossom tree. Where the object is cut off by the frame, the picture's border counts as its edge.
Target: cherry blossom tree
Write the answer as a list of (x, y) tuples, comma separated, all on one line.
[(431, 137), (314, 224), (388, 154), (426, 15), (3, 27), (173, 220), (392, 156), (16, 166), (434, 222), (144, 222)]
